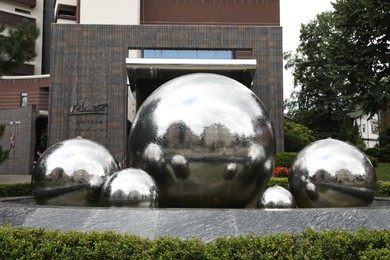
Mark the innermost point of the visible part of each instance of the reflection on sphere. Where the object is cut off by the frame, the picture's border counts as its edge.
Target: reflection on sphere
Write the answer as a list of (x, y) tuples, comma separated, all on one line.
[(207, 141), (72, 173), (130, 187), (276, 197), (332, 173)]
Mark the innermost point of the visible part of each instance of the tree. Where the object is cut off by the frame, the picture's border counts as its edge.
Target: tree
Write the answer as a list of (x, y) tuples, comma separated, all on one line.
[(316, 100), (365, 50), (3, 153), (341, 65), (17, 46)]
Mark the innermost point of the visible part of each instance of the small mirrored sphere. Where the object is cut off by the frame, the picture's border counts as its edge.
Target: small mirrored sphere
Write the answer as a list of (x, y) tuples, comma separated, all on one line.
[(207, 141), (332, 173), (276, 197), (130, 187), (72, 173)]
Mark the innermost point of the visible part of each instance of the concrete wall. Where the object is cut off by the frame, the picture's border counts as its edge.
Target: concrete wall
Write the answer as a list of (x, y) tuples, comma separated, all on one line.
[(103, 12)]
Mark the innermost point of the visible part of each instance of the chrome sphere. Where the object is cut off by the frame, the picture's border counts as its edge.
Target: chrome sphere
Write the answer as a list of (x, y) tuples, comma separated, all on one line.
[(332, 173), (130, 187), (207, 141), (276, 197), (72, 173)]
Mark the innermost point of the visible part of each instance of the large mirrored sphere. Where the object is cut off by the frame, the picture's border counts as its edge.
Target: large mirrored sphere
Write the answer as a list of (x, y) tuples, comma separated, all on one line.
[(72, 173), (130, 187), (332, 173), (207, 141), (276, 197)]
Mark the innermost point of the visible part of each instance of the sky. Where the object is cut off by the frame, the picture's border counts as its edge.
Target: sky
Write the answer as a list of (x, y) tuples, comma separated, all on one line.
[(292, 14)]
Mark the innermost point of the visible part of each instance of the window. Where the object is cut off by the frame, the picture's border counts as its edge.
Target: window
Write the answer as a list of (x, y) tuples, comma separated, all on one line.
[(188, 54), (363, 128), (66, 12), (374, 127), (23, 99), (22, 11)]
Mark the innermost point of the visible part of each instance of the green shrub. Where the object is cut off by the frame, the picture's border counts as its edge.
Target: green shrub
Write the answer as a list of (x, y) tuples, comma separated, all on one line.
[(381, 153), (24, 189), (383, 189), (296, 136), (15, 190), (283, 182), (285, 159), (342, 244), (373, 160), (32, 243), (293, 143)]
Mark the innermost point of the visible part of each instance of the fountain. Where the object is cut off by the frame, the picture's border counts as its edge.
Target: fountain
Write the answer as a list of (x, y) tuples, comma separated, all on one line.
[(199, 141), (205, 139)]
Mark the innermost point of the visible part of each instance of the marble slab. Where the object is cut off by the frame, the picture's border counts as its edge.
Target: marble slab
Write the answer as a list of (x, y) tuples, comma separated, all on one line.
[(206, 224)]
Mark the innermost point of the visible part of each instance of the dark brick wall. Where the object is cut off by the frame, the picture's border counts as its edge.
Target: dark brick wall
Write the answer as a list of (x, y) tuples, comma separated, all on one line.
[(225, 12), (37, 89), (88, 67), (21, 122)]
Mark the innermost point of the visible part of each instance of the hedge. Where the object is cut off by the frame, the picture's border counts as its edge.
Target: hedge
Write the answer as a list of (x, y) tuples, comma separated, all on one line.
[(283, 182), (33, 243), (383, 189), (24, 189), (15, 190), (285, 159)]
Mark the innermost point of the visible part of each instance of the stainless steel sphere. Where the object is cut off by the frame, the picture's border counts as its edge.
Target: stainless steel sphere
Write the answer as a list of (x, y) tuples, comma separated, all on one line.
[(72, 173), (130, 187), (207, 141), (332, 173), (276, 197)]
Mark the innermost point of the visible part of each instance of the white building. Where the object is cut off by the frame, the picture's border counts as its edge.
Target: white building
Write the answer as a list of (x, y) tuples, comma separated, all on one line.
[(97, 12), (368, 128)]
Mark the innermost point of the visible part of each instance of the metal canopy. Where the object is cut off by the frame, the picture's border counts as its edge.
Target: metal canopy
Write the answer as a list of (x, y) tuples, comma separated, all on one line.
[(159, 71)]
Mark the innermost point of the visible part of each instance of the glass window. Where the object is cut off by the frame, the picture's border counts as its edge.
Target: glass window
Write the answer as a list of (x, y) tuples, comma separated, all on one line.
[(374, 127), (363, 128), (23, 99), (188, 54)]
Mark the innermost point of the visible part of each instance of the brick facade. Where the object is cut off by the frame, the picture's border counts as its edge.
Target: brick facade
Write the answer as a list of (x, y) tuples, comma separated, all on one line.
[(36, 87), (21, 123), (88, 69)]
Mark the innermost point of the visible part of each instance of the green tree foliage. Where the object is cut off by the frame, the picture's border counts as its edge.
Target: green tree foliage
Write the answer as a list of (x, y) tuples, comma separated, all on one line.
[(296, 136), (316, 101), (17, 46), (364, 51), (3, 153), (341, 65)]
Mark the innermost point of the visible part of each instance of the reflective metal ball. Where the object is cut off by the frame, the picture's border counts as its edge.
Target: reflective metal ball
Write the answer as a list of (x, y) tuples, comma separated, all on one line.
[(72, 173), (207, 141), (332, 173), (130, 187), (276, 197)]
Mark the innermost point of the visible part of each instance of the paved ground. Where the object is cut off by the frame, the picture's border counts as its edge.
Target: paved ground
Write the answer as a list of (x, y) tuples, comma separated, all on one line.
[(7, 179)]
